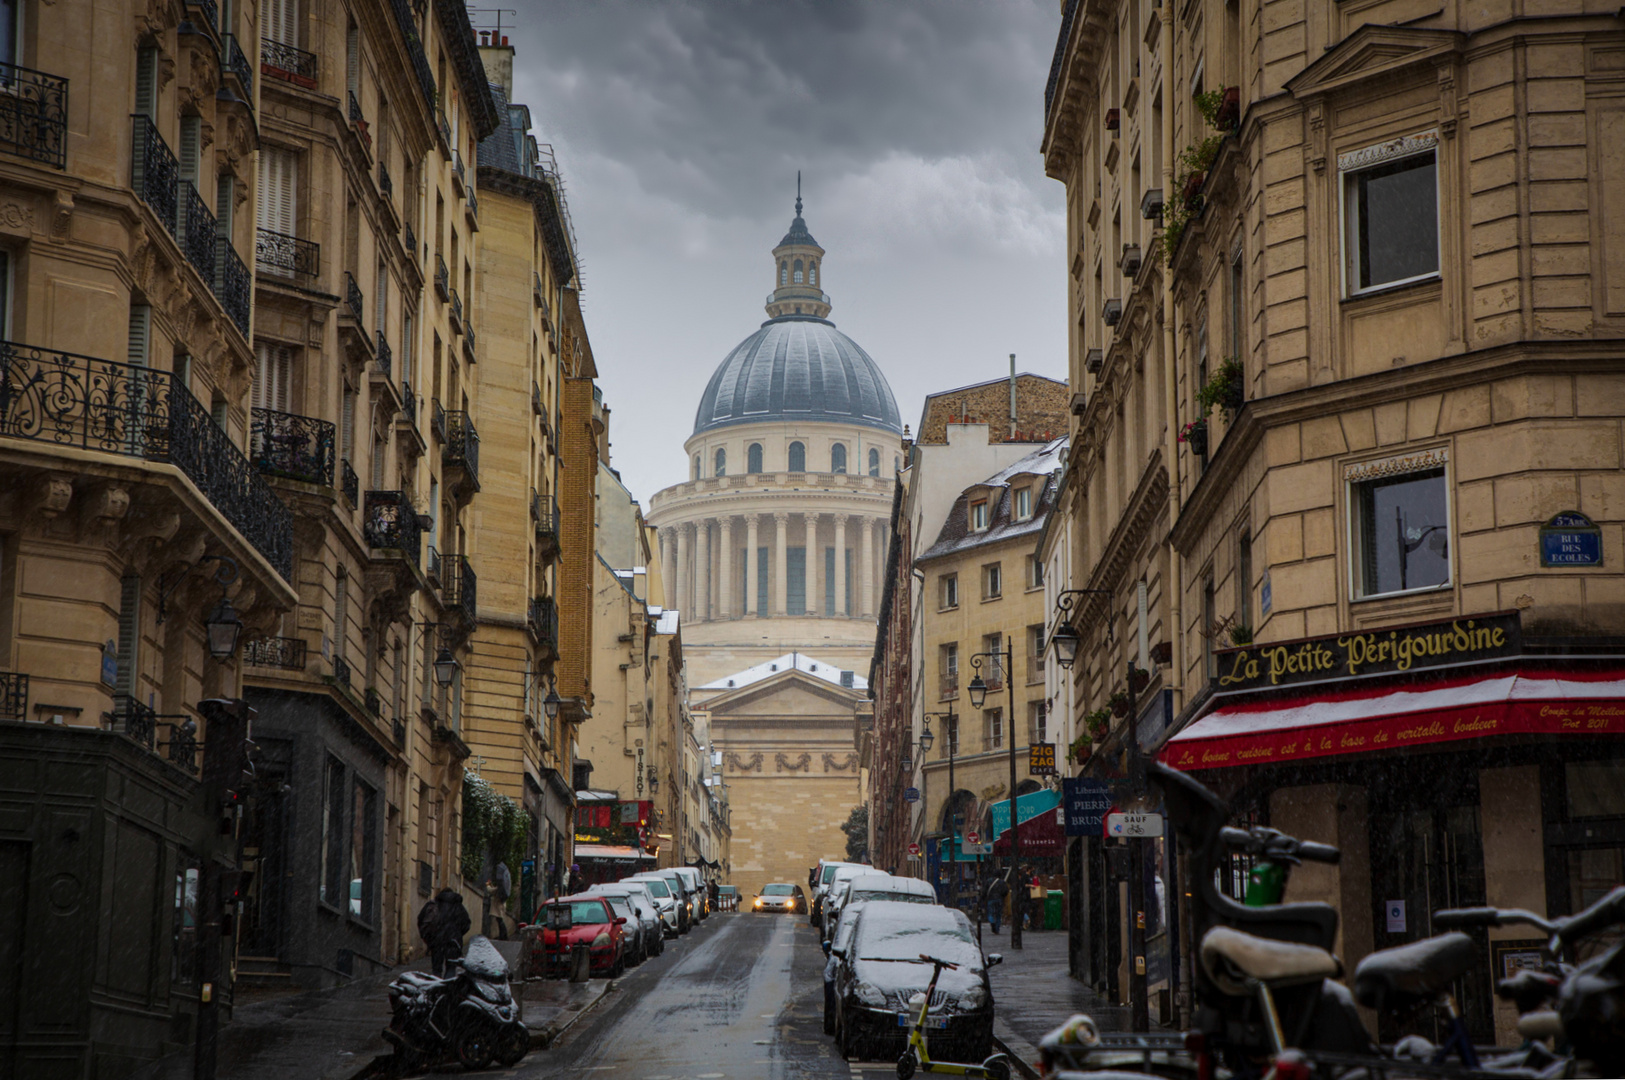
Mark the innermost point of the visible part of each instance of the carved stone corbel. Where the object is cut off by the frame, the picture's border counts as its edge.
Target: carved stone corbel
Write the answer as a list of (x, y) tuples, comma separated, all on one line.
[(101, 509), (61, 215), (48, 496), (147, 527)]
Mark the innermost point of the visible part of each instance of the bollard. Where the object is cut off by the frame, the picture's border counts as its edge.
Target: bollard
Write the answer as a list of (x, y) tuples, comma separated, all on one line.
[(580, 964)]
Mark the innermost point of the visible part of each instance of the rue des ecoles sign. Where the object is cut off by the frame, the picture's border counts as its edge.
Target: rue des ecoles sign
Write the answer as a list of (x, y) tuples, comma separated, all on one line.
[(1385, 651)]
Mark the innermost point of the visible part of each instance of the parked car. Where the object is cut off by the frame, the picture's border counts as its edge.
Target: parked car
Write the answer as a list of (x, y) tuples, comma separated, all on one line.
[(872, 886), (660, 898), (879, 969), (648, 941), (837, 884), (822, 875), (698, 893), (593, 924), (782, 896), (859, 892), (679, 894), (727, 898)]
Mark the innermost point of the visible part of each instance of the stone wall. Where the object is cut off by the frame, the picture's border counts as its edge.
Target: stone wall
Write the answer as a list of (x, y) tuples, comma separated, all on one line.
[(1041, 410)]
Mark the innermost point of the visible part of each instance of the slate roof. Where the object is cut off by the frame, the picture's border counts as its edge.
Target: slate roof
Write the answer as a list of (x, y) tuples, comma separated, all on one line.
[(956, 535)]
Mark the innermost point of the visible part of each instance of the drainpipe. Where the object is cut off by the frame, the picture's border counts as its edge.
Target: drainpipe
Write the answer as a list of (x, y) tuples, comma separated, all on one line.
[(1012, 434)]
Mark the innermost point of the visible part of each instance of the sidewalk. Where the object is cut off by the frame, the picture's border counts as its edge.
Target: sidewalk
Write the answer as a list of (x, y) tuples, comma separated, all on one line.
[(1033, 994)]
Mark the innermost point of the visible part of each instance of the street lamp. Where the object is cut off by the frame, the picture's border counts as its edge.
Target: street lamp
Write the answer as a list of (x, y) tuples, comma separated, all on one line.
[(978, 694), (446, 667), (223, 627), (550, 704), (1066, 640), (926, 739)]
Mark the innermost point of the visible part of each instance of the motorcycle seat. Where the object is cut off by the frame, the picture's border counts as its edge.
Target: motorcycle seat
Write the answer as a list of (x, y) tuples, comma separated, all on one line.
[(1406, 976), (1232, 959)]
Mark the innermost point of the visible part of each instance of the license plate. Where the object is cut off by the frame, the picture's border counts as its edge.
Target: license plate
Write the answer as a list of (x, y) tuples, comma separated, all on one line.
[(938, 1022)]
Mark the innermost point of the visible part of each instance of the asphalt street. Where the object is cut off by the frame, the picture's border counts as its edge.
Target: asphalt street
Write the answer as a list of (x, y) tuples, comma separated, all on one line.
[(740, 999)]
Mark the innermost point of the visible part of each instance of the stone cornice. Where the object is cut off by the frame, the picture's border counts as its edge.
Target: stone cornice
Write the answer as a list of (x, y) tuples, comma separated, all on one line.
[(544, 200), (465, 59)]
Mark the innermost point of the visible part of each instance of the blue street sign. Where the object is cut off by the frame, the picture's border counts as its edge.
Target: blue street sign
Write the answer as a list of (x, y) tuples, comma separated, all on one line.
[(1087, 803), (1570, 539), (911, 794)]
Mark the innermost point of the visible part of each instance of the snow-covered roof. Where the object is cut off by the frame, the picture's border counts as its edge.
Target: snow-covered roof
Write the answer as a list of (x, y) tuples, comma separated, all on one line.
[(666, 619), (956, 534), (811, 665)]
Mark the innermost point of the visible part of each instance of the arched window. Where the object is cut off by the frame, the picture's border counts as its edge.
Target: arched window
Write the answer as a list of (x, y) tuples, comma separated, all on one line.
[(812, 273), (874, 463), (722, 462), (696, 466), (837, 458), (798, 271), (784, 273), (798, 457), (753, 458)]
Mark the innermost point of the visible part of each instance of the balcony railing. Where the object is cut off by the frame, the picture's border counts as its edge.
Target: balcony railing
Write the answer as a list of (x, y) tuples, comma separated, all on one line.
[(543, 620), (34, 115), (442, 278), (354, 298), (285, 62), (385, 354), (390, 522), (154, 172), (13, 695), (237, 63), (140, 412), (456, 308), (293, 447), (458, 585), (409, 240), (458, 173), (288, 256), (443, 125), (232, 284), (437, 421), (386, 186), (134, 720), (397, 731), (409, 402), (286, 653), (341, 672), (198, 231), (468, 341), (350, 484), (462, 444), (473, 207), (374, 701), (359, 122), (211, 11), (545, 510), (408, 24)]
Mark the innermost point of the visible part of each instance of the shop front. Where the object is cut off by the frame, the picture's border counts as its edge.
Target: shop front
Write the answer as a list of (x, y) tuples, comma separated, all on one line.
[(612, 836), (1452, 763)]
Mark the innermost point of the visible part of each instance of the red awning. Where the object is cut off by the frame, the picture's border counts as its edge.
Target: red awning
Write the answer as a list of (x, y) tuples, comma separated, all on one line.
[(1041, 835), (1376, 720)]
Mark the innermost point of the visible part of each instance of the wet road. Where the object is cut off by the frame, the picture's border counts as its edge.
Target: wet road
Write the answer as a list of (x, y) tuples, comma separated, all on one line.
[(740, 998)]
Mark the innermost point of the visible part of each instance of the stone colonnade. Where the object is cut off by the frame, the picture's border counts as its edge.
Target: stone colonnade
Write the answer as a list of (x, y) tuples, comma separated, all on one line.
[(716, 565)]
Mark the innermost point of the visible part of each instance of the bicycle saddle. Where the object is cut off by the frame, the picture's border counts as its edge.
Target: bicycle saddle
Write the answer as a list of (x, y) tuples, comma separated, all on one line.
[(1232, 958), (1404, 977)]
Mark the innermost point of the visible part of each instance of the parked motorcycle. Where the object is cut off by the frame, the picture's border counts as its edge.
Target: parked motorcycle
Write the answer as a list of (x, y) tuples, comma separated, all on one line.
[(469, 1015)]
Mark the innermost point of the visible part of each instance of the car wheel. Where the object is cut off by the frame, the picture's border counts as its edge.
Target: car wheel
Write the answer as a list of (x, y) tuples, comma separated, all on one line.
[(475, 1044)]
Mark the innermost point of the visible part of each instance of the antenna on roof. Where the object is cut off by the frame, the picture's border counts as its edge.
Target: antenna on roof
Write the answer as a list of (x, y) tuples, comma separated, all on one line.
[(798, 193)]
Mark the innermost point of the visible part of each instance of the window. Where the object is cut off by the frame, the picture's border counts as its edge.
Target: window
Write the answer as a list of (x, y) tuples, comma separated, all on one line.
[(1207, 629), (129, 634), (332, 833), (362, 832), (948, 670), (1024, 503), (1402, 536), (1237, 305), (993, 729), (1035, 654), (1035, 572), (1037, 722), (696, 466), (798, 457), (273, 374), (1391, 208), (948, 585), (784, 273), (837, 458), (721, 462), (992, 581), (795, 581), (798, 272), (812, 273), (978, 515), (1244, 580), (874, 462), (993, 661), (183, 949), (753, 458)]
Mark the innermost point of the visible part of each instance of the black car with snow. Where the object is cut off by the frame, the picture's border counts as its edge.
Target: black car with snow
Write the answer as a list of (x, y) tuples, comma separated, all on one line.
[(879, 970)]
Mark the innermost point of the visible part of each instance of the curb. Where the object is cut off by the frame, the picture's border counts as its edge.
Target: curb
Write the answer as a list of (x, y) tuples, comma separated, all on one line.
[(1017, 1060), (544, 1037)]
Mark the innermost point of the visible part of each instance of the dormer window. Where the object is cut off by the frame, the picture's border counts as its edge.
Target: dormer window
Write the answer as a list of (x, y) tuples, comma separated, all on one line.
[(1024, 503), (978, 515)]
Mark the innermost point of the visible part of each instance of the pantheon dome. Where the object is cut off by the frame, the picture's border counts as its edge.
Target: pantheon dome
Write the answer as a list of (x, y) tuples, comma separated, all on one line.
[(775, 542)]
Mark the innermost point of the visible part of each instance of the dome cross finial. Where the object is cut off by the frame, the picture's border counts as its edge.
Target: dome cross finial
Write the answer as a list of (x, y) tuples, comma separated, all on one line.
[(798, 193)]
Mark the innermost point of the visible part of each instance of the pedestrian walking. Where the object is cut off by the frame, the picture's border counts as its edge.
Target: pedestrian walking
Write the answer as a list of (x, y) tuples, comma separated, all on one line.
[(501, 887), (996, 892), (576, 883), (442, 923)]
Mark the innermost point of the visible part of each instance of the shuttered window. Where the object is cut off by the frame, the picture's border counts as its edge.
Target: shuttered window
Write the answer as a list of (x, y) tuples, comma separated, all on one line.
[(279, 184), (146, 82), (273, 376), (281, 21), (129, 633), (381, 295), (191, 144), (224, 210), (138, 354), (341, 612), (347, 426), (352, 60)]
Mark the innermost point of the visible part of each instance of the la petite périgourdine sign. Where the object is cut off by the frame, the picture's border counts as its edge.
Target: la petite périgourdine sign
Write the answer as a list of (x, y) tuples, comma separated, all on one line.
[(1392, 649)]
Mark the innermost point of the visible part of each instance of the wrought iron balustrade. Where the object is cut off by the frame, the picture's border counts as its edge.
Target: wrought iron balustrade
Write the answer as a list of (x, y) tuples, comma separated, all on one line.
[(545, 509), (154, 172), (433, 570), (473, 205), (233, 286), (386, 186), (409, 240), (288, 63), (237, 63), (543, 619), (389, 521), (468, 340), (443, 125), (386, 355), (456, 307), (135, 720), (198, 231), (70, 400), (437, 420), (13, 695), (458, 585), (442, 278), (398, 731), (289, 654), (414, 48), (341, 671), (354, 297), (34, 115), (535, 397), (462, 444), (374, 701), (288, 256), (457, 171), (363, 132), (211, 11), (409, 402), (182, 746), (351, 483), (293, 447)]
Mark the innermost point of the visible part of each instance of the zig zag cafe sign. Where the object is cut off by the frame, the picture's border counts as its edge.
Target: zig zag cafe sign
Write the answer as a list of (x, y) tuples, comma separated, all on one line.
[(1390, 650)]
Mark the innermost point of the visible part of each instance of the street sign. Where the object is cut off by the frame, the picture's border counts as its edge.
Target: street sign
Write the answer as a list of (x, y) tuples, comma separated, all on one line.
[(911, 794), (1570, 539), (976, 849), (914, 851), (1041, 759), (1123, 824), (973, 838), (1086, 803)]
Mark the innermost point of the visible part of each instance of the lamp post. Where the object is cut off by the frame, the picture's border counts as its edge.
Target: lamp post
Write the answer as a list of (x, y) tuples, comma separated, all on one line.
[(927, 740), (950, 732), (1003, 661)]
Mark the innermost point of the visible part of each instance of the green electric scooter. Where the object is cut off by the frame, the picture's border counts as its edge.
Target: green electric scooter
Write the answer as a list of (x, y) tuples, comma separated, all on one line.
[(918, 1057), (1276, 853)]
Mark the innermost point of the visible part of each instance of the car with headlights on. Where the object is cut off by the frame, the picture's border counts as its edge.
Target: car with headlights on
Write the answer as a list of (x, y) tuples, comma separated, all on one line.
[(880, 969), (780, 896)]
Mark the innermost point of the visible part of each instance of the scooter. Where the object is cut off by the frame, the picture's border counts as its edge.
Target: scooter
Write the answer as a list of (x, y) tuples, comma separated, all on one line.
[(918, 1056), (469, 1015)]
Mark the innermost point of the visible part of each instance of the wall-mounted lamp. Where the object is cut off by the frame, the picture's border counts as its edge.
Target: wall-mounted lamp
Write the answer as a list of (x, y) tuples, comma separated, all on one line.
[(224, 626)]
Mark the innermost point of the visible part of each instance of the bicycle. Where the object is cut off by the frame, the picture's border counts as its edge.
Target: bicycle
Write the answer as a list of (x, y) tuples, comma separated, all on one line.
[(917, 1055)]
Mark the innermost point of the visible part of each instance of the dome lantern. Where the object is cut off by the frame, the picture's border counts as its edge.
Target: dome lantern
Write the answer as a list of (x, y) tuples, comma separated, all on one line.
[(797, 270)]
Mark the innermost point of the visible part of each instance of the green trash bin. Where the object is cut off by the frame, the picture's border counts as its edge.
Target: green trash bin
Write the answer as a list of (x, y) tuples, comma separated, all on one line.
[(1052, 909)]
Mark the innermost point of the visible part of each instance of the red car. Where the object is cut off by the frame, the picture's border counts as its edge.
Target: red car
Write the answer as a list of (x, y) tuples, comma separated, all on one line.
[(590, 923)]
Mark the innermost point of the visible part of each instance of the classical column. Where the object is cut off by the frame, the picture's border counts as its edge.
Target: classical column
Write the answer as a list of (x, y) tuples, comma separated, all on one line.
[(840, 566), (682, 570), (781, 573), (725, 568), (752, 539), (702, 570), (866, 567), (809, 544), (668, 554)]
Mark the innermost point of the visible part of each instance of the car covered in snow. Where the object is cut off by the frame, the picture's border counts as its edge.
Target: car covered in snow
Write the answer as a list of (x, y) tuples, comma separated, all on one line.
[(860, 891), (822, 875), (879, 969), (875, 885)]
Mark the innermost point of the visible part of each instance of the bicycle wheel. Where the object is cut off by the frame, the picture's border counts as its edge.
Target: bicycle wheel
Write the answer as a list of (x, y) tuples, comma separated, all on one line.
[(907, 1064)]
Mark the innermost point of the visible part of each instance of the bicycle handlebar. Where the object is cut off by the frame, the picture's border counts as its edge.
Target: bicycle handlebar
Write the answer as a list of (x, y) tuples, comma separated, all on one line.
[(1262, 841), (1608, 911)]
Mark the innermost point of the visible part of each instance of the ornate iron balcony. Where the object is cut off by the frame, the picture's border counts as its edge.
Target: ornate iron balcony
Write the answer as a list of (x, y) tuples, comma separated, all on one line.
[(140, 412), (233, 286), (154, 172), (458, 173), (414, 48), (456, 307), (354, 297), (211, 11), (437, 421), (458, 586), (385, 354), (135, 720), (198, 231), (13, 695), (237, 63), (375, 701), (363, 132), (289, 256), (34, 115), (462, 444), (409, 240), (442, 278), (545, 509), (285, 62), (182, 743), (341, 671), (409, 402), (468, 341), (443, 125), (535, 402), (351, 484), (538, 293), (386, 186), (293, 447), (543, 620), (389, 521), (473, 206), (286, 653)]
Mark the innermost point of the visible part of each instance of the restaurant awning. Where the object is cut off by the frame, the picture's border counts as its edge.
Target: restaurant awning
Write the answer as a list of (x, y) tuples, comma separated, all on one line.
[(1038, 821), (612, 853), (1589, 703)]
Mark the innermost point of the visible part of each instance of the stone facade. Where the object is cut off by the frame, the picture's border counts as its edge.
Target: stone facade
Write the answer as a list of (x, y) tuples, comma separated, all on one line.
[(1041, 410)]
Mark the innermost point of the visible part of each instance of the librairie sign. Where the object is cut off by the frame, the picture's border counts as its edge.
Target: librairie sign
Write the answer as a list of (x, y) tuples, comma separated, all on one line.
[(1346, 656)]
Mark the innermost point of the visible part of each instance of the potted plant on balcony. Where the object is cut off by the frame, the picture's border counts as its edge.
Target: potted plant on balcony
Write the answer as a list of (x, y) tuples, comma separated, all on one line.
[(1119, 703), (1098, 724), (1194, 435), (1081, 748), (1241, 635), (1138, 680), (1225, 390)]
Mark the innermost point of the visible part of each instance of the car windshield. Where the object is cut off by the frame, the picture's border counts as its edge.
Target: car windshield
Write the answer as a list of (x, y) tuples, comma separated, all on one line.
[(726, 890), (657, 887), (587, 911), (883, 894), (829, 873), (778, 890), (620, 906), (893, 940)]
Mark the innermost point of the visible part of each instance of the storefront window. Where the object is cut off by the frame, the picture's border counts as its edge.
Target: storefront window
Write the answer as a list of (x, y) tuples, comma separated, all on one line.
[(1401, 528), (183, 954), (333, 832)]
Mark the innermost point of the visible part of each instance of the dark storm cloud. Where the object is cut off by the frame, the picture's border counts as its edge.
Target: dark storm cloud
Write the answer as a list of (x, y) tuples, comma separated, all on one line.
[(680, 126)]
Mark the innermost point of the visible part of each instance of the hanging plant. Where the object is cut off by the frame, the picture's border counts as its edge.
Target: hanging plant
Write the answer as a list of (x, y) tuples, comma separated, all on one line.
[(1099, 723), (1225, 390), (492, 823), (1138, 679), (1080, 749), (1194, 435), (1119, 703)]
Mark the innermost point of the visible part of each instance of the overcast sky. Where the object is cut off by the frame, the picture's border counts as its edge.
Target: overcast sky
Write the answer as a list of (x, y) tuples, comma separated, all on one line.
[(679, 126)]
